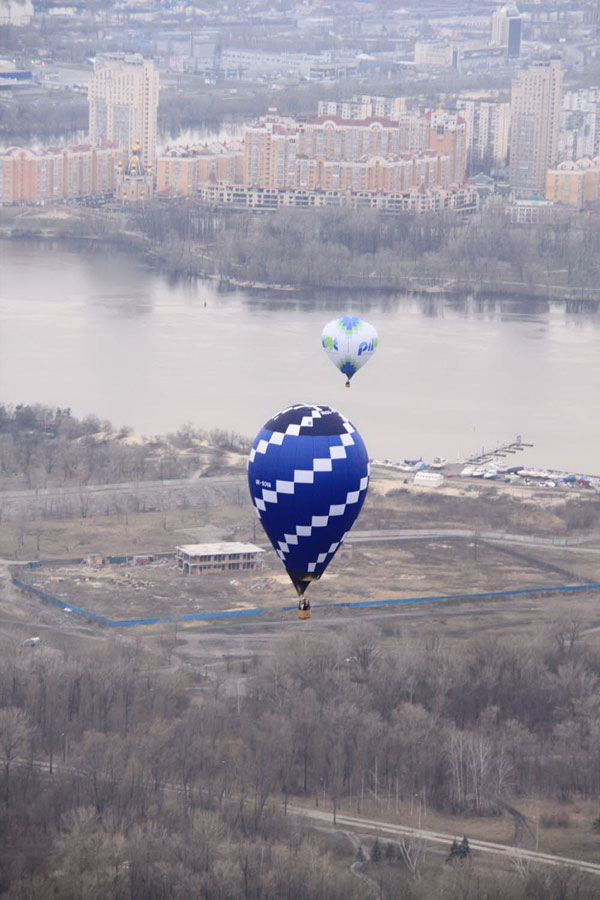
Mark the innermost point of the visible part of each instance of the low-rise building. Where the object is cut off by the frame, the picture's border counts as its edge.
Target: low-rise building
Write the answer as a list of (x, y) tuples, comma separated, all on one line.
[(436, 53), (428, 479), (524, 212), (96, 560), (227, 556), (463, 199)]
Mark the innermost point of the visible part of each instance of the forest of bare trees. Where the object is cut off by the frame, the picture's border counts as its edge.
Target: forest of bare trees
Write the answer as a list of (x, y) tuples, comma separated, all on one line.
[(124, 776), (29, 120), (339, 248)]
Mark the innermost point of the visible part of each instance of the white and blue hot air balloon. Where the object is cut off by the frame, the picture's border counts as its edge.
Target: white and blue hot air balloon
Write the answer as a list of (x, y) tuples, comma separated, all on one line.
[(349, 342), (308, 474)]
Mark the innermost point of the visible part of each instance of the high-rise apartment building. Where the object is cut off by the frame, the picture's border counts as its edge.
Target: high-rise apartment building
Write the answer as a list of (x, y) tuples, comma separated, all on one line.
[(579, 124), (123, 103), (535, 120), (488, 126), (448, 135), (506, 29), (270, 149)]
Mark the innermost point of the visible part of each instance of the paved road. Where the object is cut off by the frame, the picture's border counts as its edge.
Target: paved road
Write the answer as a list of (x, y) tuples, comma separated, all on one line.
[(94, 499), (416, 534), (389, 830), (57, 493), (324, 819)]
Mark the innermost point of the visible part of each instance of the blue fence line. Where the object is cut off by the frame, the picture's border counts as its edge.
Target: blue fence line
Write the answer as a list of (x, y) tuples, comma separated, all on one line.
[(44, 595), (259, 611)]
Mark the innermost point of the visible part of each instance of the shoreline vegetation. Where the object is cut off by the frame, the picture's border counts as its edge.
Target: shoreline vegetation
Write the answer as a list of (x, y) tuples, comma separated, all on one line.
[(295, 251)]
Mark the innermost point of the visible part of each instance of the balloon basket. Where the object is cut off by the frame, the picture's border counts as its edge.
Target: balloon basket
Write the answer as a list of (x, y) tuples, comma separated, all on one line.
[(304, 614)]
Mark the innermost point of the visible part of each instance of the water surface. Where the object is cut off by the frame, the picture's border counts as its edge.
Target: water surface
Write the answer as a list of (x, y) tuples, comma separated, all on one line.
[(104, 334)]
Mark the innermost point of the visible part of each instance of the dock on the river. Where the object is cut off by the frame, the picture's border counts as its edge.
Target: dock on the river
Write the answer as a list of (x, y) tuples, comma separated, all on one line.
[(502, 450)]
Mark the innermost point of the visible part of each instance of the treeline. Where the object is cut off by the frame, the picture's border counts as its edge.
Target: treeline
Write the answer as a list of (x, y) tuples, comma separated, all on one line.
[(148, 796), (45, 445), (340, 248), (164, 785), (54, 117), (463, 727)]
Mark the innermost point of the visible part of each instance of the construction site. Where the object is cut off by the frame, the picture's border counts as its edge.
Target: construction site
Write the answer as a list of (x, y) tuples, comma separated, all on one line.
[(462, 541)]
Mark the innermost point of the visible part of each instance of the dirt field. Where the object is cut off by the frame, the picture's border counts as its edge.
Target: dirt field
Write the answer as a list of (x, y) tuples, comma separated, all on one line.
[(367, 572), (373, 571)]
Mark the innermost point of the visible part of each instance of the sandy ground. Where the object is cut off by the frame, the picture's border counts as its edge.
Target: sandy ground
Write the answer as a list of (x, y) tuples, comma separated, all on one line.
[(365, 572)]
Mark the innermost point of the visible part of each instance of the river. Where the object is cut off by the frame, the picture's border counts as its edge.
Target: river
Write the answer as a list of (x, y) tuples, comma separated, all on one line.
[(100, 332)]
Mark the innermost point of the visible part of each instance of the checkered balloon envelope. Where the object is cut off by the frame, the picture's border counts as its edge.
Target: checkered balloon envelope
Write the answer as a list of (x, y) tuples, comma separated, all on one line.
[(308, 474)]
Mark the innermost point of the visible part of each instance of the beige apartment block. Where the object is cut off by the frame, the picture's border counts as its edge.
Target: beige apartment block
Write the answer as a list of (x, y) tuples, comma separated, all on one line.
[(182, 171), (574, 184), (123, 103), (54, 174), (436, 53), (364, 106), (448, 135), (535, 122)]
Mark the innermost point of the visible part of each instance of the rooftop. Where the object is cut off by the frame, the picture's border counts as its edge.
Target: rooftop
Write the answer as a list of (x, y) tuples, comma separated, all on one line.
[(226, 547), (354, 123)]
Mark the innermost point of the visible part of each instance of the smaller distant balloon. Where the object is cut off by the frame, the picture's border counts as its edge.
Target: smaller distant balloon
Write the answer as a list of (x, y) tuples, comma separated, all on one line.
[(349, 342)]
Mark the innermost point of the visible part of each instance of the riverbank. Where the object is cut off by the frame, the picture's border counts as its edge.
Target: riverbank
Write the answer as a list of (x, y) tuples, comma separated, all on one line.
[(135, 232)]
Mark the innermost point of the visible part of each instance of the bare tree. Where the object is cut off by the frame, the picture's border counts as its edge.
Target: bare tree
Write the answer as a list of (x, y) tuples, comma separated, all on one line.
[(14, 734)]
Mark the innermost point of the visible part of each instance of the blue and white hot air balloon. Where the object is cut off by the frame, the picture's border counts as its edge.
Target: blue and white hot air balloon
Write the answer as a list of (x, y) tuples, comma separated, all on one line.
[(349, 342), (308, 474)]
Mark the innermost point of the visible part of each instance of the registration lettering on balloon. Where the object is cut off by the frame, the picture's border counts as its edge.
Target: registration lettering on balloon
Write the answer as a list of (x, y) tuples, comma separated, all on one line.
[(308, 473)]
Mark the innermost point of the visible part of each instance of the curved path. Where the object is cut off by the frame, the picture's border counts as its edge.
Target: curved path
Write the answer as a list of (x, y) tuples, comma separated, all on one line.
[(388, 829)]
